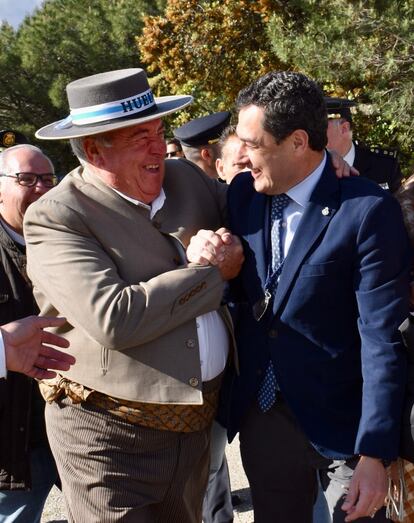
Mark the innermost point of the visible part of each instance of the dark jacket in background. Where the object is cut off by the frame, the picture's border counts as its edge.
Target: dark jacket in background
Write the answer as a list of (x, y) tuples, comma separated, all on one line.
[(22, 425), (378, 166)]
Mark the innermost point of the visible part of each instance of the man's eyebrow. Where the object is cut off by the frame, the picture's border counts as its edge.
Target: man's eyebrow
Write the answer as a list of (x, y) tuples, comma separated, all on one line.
[(144, 130)]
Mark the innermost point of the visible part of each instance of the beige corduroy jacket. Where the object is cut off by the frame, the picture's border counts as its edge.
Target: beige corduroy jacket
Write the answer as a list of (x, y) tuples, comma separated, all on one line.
[(118, 278)]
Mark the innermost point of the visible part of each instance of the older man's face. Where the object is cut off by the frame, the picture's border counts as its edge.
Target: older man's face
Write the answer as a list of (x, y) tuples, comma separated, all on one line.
[(134, 162), (15, 198)]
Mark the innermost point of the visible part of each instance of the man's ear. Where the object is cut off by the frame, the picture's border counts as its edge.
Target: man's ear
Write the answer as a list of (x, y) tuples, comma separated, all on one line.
[(345, 127), (300, 140), (205, 154), (219, 169), (92, 150)]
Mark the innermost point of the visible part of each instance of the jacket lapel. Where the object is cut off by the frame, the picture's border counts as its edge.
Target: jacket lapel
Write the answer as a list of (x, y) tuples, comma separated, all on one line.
[(257, 236), (318, 213)]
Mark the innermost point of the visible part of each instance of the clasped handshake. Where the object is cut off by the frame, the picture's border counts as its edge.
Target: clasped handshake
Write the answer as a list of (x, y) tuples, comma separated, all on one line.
[(220, 248)]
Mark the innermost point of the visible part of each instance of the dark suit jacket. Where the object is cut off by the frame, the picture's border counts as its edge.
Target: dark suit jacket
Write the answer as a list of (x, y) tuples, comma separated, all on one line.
[(332, 329), (378, 167)]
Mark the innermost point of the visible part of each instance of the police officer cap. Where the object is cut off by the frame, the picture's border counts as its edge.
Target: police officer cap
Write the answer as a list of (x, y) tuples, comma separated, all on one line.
[(8, 138), (339, 108), (203, 131)]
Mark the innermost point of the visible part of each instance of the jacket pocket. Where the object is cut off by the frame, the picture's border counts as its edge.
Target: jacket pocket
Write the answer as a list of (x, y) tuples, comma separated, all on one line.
[(320, 269)]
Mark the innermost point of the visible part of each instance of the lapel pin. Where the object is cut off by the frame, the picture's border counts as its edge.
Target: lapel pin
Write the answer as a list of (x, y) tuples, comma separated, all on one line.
[(326, 211)]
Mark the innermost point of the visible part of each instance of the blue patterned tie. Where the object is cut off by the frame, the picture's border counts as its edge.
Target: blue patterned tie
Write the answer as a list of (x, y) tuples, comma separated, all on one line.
[(267, 390)]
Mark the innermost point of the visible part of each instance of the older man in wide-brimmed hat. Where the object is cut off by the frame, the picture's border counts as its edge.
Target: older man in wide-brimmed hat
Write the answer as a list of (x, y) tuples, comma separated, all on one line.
[(129, 424)]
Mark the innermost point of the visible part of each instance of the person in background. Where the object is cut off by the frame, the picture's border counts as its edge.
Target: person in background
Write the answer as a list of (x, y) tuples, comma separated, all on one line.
[(232, 157), (174, 149), (378, 165), (27, 467), (25, 347), (199, 139)]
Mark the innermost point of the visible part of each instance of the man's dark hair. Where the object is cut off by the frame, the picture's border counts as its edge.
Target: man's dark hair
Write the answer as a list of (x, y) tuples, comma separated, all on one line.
[(174, 141), (290, 101)]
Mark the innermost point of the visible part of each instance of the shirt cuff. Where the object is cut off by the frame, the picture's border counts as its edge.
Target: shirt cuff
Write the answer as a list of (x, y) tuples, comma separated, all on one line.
[(3, 370)]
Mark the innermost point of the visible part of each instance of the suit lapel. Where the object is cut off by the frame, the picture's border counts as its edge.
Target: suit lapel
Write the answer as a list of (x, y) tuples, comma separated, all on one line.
[(258, 234), (318, 213)]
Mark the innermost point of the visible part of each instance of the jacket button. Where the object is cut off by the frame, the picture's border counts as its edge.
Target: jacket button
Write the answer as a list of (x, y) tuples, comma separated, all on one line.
[(190, 343), (273, 333), (193, 382)]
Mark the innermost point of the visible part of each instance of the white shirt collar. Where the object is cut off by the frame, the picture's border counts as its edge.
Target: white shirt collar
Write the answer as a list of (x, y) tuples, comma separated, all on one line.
[(350, 155), (301, 192), (155, 206), (15, 236)]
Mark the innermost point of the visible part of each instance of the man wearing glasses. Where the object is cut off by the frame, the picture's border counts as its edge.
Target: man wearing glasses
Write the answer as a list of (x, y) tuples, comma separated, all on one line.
[(25, 458), (174, 149)]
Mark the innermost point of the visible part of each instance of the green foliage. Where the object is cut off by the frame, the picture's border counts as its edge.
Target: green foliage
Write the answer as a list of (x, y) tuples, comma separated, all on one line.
[(62, 41), (363, 49), (209, 49)]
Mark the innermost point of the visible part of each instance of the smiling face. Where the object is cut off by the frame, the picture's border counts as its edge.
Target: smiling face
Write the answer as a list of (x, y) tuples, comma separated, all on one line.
[(273, 165), (15, 198), (131, 159)]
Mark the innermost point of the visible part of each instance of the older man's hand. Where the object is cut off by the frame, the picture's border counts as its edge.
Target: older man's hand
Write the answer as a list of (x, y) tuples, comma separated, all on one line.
[(220, 248), (27, 347)]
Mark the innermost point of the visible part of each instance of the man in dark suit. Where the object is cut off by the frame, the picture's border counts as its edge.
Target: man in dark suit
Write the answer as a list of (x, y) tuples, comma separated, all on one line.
[(324, 283), (378, 165)]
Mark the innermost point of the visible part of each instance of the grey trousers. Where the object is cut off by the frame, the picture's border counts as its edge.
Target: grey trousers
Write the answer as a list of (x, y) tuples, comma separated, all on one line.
[(113, 471), (282, 468)]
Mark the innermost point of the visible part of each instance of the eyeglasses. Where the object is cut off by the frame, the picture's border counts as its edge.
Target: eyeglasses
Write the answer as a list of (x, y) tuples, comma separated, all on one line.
[(31, 179), (172, 154)]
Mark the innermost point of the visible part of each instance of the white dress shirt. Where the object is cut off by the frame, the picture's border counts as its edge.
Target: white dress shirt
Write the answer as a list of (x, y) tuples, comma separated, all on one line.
[(350, 155), (299, 195), (212, 334)]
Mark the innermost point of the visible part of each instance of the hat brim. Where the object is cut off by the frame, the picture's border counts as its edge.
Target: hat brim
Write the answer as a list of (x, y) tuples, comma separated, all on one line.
[(164, 105)]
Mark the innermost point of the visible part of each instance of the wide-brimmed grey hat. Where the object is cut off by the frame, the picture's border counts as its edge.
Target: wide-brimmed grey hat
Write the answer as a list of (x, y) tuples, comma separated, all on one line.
[(107, 101)]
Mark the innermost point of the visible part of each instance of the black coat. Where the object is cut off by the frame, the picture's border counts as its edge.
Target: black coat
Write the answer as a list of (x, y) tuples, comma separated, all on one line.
[(378, 166), (21, 419)]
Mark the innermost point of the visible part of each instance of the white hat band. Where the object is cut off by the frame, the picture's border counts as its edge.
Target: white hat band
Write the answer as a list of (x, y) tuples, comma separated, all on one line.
[(109, 111)]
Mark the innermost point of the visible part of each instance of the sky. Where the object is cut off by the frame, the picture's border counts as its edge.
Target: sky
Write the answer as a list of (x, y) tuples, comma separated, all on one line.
[(14, 12)]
